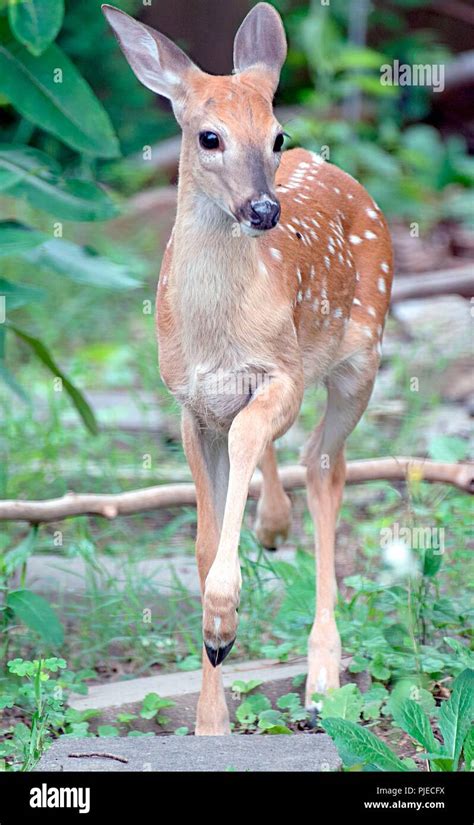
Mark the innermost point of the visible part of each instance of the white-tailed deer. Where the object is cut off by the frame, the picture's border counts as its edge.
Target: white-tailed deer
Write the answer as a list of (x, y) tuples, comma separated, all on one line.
[(277, 276)]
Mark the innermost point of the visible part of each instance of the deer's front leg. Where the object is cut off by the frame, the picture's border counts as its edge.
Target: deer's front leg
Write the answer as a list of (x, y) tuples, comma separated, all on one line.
[(268, 415), (208, 459)]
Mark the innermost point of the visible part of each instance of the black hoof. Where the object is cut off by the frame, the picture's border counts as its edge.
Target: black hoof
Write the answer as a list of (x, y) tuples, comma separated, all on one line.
[(216, 657), (313, 717), (271, 549)]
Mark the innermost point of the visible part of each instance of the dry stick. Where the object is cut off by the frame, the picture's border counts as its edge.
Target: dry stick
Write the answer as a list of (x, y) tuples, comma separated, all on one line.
[(179, 495), (456, 281)]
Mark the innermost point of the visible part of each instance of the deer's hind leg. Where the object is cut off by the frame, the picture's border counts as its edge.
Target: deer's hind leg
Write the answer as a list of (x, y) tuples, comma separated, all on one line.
[(349, 389), (273, 521)]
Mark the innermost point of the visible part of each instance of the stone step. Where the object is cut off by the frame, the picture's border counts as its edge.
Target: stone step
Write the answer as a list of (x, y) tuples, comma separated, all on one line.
[(297, 753)]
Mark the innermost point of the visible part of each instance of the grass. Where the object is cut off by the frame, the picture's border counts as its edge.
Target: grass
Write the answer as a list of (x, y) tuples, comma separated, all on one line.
[(396, 627)]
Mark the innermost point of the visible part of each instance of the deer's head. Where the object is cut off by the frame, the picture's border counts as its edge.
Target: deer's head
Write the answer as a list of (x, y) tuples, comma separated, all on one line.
[(232, 141)]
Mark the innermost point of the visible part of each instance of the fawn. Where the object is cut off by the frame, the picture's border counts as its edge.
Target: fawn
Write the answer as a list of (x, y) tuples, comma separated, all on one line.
[(277, 275)]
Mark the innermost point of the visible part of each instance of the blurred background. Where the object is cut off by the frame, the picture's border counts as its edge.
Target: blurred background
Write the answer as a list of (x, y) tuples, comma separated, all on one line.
[(88, 171)]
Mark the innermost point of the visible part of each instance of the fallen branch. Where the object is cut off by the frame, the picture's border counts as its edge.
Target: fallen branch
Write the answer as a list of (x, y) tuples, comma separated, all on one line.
[(458, 281), (182, 495)]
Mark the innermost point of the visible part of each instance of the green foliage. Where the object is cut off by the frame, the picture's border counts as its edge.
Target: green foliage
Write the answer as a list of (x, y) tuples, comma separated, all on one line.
[(48, 91), (357, 745), (406, 166), (152, 707), (30, 174), (34, 611), (36, 23)]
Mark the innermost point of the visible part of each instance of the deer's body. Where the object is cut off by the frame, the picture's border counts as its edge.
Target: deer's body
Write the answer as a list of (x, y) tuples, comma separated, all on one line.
[(230, 308), (277, 276)]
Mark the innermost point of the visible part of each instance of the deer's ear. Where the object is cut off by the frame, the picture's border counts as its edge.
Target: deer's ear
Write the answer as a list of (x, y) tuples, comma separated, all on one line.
[(261, 40), (157, 62)]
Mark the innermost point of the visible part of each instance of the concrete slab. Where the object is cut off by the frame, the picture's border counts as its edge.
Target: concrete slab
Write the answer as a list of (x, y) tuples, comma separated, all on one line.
[(52, 573), (117, 694), (296, 753)]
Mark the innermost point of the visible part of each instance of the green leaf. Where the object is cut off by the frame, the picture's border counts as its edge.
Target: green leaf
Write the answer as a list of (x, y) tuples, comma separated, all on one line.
[(289, 700), (17, 295), (81, 265), (468, 750), (30, 174), (75, 395), (36, 23), (378, 668), (19, 554), (275, 730), (238, 686), (152, 704), (16, 238), (448, 448), (181, 731), (342, 703), (373, 700), (36, 613), (49, 91), (360, 744), (432, 561), (107, 730), (408, 688), (409, 716), (455, 716), (269, 718)]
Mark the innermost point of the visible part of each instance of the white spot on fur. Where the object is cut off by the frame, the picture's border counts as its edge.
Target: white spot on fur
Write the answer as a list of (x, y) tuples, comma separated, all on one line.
[(370, 235), (355, 239), (381, 285), (275, 253), (384, 267)]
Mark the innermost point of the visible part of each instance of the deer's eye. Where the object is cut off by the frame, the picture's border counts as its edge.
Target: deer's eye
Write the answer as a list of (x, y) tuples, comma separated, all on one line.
[(209, 140), (280, 139)]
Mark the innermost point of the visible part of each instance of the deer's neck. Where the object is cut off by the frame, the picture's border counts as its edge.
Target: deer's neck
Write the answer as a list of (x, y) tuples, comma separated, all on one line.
[(213, 264)]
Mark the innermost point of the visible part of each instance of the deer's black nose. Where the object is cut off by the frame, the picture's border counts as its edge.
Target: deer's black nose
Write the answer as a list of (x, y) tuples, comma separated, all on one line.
[(264, 214)]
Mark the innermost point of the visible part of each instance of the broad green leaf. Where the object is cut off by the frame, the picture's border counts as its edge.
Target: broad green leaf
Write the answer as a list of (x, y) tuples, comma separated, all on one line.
[(75, 395), (289, 700), (81, 265), (468, 750), (16, 238), (17, 295), (20, 554), (30, 174), (37, 614), (361, 745), (36, 23), (409, 716), (49, 91), (342, 703), (455, 716)]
